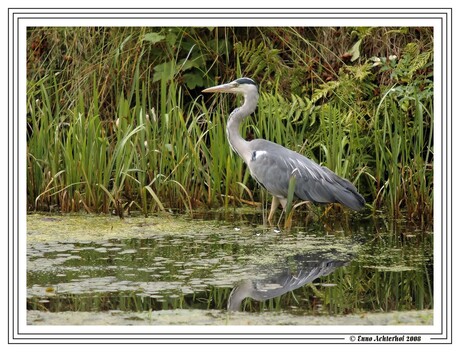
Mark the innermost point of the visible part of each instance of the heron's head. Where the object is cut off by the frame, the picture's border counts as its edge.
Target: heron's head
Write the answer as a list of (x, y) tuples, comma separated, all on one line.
[(245, 86)]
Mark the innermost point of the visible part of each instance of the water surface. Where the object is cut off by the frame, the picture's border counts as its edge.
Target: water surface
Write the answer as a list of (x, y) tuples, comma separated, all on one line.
[(227, 263)]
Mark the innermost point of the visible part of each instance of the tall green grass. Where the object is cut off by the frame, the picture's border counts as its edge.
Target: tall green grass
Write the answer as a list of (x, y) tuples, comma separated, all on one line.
[(179, 159), (121, 126), (403, 140)]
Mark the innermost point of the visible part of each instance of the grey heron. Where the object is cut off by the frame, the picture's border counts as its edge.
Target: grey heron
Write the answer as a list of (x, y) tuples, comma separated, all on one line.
[(273, 166)]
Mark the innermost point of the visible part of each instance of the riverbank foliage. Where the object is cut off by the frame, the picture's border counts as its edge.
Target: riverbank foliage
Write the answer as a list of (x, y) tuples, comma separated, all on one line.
[(116, 121)]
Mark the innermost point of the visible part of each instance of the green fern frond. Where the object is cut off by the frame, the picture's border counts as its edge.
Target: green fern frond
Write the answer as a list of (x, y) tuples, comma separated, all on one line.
[(323, 90)]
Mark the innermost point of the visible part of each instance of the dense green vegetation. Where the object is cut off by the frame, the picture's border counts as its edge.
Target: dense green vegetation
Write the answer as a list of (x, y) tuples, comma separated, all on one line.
[(117, 122)]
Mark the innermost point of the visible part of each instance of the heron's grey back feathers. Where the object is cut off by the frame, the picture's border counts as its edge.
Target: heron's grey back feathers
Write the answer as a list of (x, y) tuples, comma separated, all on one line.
[(273, 165)]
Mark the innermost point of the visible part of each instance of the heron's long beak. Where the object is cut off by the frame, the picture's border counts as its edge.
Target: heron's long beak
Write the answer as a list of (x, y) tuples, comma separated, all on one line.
[(223, 88)]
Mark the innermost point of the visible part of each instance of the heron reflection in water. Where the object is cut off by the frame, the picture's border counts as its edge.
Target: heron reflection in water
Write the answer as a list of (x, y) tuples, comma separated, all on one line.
[(309, 268)]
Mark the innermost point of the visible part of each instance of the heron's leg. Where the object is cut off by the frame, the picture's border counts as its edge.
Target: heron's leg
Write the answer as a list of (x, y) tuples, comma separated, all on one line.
[(288, 220), (283, 202), (274, 206)]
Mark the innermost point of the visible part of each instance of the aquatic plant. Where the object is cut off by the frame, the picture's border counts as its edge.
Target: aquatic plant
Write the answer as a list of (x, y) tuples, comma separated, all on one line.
[(116, 121)]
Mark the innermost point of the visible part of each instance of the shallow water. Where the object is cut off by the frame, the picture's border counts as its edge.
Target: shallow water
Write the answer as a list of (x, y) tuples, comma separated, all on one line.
[(100, 264)]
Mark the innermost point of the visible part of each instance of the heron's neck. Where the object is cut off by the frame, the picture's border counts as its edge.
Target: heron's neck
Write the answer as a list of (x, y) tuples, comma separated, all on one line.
[(237, 142)]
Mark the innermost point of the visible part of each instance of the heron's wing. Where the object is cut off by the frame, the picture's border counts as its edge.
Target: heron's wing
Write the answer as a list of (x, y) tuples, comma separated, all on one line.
[(273, 165)]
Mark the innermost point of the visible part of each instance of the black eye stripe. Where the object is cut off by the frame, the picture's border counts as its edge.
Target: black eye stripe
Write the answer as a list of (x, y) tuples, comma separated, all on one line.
[(245, 80)]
